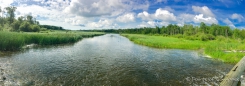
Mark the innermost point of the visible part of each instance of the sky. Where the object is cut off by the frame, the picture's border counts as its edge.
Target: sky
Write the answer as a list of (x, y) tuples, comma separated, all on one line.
[(120, 14)]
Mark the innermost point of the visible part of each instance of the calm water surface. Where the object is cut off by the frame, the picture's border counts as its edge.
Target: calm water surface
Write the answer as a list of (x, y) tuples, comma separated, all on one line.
[(109, 60)]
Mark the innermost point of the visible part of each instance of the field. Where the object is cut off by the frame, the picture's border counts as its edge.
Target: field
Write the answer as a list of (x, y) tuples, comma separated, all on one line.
[(11, 41), (227, 50)]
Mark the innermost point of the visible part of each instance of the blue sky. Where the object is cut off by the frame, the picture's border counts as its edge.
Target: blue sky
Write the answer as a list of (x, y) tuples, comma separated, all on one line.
[(116, 14)]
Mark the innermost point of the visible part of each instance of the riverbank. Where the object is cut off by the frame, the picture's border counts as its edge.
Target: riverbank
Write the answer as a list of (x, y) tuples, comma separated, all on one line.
[(11, 41), (215, 48)]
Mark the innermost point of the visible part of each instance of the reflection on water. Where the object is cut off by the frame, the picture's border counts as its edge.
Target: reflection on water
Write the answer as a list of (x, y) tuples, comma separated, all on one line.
[(109, 60)]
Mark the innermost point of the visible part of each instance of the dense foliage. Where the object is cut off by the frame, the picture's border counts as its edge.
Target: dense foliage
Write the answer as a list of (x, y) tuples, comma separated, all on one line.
[(203, 32), (23, 23), (51, 27)]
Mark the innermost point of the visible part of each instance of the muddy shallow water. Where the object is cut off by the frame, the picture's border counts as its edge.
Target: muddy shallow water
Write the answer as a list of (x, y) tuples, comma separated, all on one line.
[(109, 60)]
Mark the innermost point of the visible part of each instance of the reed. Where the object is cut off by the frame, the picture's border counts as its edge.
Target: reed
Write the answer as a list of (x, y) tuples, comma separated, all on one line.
[(215, 48), (10, 41)]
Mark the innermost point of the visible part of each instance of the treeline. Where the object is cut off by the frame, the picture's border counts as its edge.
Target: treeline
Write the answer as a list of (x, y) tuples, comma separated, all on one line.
[(23, 23), (52, 27), (202, 32)]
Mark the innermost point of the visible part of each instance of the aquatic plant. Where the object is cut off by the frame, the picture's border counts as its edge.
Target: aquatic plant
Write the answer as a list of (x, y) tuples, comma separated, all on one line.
[(14, 40)]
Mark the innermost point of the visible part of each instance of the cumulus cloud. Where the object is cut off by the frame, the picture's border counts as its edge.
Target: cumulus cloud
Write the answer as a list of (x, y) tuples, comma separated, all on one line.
[(203, 10), (164, 15), (145, 16), (102, 23), (229, 23), (41, 13), (129, 17), (5, 3), (205, 15), (237, 17), (153, 24), (95, 8), (160, 14), (209, 20), (186, 17), (77, 21)]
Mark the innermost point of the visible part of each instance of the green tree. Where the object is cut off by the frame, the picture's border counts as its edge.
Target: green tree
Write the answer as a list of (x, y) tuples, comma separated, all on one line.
[(35, 28), (15, 25), (30, 19), (10, 13), (0, 11), (236, 33), (26, 27), (203, 27), (21, 19)]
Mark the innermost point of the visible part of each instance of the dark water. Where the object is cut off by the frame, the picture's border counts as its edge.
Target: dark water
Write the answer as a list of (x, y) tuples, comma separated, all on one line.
[(109, 60)]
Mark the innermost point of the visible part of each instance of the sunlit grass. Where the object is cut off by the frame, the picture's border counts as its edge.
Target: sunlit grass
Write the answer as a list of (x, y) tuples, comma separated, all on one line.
[(15, 40), (214, 48)]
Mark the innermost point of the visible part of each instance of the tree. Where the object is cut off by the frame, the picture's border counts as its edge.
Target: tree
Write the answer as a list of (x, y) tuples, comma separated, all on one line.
[(203, 27), (35, 28), (0, 10), (26, 27), (21, 19), (15, 25), (30, 19), (236, 33), (10, 13)]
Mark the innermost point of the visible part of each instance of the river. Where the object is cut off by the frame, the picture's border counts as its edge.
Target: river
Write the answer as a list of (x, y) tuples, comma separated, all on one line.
[(109, 60)]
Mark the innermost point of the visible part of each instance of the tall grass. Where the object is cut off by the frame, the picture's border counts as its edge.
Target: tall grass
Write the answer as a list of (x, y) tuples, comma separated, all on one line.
[(14, 41), (214, 48)]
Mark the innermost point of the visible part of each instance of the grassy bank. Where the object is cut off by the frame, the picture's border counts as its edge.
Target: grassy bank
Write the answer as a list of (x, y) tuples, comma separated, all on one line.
[(214, 48), (10, 41)]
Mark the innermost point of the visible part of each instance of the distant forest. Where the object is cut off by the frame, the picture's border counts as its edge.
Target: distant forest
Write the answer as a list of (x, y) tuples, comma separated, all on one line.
[(23, 23), (202, 32)]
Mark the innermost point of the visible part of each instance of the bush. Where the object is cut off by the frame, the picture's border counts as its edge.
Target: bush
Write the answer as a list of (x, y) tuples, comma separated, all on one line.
[(205, 37), (179, 36), (220, 38), (190, 37), (26, 27), (35, 28)]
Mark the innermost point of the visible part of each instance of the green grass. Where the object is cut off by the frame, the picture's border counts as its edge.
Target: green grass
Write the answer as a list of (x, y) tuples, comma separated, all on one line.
[(214, 48), (10, 41)]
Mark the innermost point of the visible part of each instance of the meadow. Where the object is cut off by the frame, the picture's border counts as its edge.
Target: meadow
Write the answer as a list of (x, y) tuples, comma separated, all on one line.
[(11, 41), (225, 49)]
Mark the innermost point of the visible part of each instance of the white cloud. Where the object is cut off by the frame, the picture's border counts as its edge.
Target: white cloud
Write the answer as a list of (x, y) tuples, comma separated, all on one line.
[(160, 14), (129, 17), (204, 15), (168, 9), (77, 21), (164, 15), (229, 23), (203, 10), (63, 24), (5, 3), (209, 20), (159, 1), (93, 8), (103, 23), (147, 24), (145, 16), (153, 24), (237, 16), (186, 17), (48, 14)]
